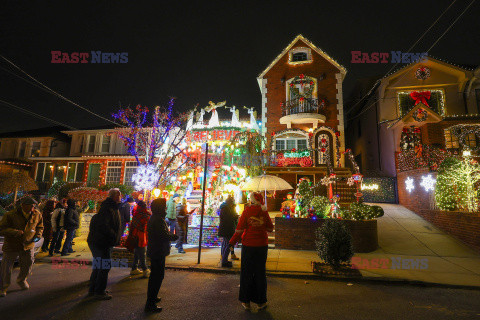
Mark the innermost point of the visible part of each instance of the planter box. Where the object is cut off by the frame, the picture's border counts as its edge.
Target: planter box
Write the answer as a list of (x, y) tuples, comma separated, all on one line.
[(300, 234), (464, 226), (345, 270)]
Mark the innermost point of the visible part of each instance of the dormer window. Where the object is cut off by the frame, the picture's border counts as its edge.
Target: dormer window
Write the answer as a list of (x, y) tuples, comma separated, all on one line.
[(300, 55)]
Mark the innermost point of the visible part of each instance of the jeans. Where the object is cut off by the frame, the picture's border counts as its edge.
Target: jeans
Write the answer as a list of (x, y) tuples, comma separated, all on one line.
[(99, 276), (139, 258), (25, 259), (253, 278), (156, 278), (172, 223), (67, 245), (181, 229), (56, 243), (225, 249)]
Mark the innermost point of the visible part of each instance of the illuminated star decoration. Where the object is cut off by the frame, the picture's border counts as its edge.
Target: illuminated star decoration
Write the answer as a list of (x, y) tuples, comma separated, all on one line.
[(428, 182), (351, 181), (146, 177), (409, 184)]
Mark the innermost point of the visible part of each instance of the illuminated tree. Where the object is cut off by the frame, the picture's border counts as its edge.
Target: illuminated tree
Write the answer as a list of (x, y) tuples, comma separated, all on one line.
[(156, 140)]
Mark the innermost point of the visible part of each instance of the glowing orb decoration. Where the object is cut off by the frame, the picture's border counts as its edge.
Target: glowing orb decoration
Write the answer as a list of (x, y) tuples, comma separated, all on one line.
[(428, 183), (409, 184), (146, 177)]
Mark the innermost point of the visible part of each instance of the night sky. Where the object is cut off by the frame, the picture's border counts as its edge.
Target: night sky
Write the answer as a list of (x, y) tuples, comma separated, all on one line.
[(200, 50)]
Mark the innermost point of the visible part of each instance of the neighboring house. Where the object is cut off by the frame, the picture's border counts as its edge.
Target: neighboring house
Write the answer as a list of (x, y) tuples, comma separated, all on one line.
[(21, 150), (411, 119), (302, 114)]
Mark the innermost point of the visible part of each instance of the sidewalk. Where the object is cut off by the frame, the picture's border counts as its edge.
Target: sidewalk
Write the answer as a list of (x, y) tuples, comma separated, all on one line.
[(437, 258)]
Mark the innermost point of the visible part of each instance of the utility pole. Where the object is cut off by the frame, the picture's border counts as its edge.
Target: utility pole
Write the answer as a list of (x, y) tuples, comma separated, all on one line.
[(205, 169)]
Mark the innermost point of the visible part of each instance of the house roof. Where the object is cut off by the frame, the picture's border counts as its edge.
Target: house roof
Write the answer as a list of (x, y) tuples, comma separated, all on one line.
[(55, 132), (312, 46)]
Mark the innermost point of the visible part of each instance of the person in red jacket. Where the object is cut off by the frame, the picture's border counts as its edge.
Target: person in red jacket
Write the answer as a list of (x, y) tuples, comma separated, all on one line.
[(252, 228), (138, 229)]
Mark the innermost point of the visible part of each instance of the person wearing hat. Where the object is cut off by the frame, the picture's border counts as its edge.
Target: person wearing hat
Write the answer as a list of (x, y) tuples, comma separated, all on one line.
[(252, 228), (171, 218), (21, 227)]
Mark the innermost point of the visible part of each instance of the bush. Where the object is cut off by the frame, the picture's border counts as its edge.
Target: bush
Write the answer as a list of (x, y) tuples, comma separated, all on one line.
[(360, 211), (55, 189), (334, 244), (306, 195), (125, 190), (65, 189), (320, 205)]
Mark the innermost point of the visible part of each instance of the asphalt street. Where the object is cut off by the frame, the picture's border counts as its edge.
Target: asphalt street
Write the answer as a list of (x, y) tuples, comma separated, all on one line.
[(61, 294)]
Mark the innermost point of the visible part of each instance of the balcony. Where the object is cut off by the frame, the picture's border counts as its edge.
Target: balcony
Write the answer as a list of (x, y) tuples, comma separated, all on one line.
[(302, 110)]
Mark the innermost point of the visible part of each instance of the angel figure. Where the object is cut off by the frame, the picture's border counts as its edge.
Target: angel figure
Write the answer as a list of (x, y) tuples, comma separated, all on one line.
[(235, 121), (213, 108), (253, 121), (191, 118)]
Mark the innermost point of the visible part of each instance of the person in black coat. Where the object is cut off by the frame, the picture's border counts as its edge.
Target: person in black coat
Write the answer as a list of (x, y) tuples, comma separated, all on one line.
[(105, 233), (71, 223), (158, 248), (226, 229)]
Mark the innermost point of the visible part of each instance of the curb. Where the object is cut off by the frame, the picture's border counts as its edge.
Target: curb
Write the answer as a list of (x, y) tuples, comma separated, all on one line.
[(312, 276)]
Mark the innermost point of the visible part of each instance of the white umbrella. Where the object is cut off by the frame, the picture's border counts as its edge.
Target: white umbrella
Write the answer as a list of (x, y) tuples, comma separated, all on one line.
[(267, 183)]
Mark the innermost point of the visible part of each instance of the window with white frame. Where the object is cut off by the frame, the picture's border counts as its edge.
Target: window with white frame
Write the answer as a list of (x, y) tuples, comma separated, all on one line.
[(130, 169), (451, 141), (80, 143), (291, 143), (35, 151), (114, 172), (44, 171), (91, 143), (75, 171), (106, 139)]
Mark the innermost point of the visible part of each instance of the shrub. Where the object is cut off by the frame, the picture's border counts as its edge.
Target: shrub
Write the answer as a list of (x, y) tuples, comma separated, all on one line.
[(65, 189), (361, 211), (320, 205), (306, 194), (55, 189), (334, 244), (125, 190)]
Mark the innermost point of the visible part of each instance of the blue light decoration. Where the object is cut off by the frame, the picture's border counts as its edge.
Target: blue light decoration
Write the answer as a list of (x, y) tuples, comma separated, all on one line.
[(158, 145)]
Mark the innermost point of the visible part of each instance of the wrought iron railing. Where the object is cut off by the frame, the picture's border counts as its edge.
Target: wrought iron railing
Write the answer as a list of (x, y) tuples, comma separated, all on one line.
[(302, 105)]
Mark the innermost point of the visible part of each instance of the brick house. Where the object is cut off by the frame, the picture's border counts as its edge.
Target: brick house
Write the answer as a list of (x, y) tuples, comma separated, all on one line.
[(302, 112), (408, 121)]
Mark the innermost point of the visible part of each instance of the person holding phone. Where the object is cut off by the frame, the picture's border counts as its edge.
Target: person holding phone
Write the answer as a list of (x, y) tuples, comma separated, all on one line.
[(21, 227)]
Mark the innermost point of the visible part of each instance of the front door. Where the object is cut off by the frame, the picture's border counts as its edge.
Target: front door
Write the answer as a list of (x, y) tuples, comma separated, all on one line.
[(93, 177), (324, 146)]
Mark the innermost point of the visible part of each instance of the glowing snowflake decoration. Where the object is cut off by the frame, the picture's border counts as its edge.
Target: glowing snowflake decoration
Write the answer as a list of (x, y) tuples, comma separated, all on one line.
[(428, 183), (146, 177), (351, 181), (326, 181), (409, 184)]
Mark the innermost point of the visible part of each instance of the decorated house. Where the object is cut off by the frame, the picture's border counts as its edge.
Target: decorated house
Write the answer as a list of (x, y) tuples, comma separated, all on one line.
[(405, 124), (302, 115)]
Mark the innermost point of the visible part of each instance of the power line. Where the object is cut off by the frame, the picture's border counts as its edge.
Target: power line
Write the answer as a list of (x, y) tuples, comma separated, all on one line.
[(56, 93), (403, 75), (8, 104)]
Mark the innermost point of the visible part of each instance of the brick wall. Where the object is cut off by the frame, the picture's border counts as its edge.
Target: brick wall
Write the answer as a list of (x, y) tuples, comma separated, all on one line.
[(462, 225), (300, 234), (418, 198)]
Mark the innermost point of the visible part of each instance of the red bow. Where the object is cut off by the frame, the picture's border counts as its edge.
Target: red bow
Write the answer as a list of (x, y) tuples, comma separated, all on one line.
[(421, 97)]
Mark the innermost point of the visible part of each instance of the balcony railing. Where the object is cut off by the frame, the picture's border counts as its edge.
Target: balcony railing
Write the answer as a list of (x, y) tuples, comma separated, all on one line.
[(302, 105)]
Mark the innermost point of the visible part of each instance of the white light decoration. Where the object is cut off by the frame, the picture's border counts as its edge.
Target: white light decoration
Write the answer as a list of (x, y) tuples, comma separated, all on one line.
[(409, 184), (372, 186), (428, 183), (146, 177)]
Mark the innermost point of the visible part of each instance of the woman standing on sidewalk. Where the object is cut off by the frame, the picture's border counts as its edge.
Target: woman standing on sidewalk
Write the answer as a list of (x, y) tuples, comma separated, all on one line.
[(138, 233), (252, 228)]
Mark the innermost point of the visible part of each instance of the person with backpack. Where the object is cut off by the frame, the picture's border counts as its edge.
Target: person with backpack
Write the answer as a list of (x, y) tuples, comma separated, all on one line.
[(58, 231), (138, 238), (105, 233), (71, 223)]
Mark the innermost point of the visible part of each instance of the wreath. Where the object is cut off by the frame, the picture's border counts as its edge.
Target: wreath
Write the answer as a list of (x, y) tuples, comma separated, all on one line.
[(420, 115), (303, 81), (422, 73)]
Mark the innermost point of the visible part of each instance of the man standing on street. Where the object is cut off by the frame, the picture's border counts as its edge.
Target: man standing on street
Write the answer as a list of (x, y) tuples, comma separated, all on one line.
[(21, 227), (105, 233), (125, 210), (171, 218), (71, 222), (226, 229)]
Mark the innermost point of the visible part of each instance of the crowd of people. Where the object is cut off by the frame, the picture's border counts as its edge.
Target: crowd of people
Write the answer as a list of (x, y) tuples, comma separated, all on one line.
[(151, 233)]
